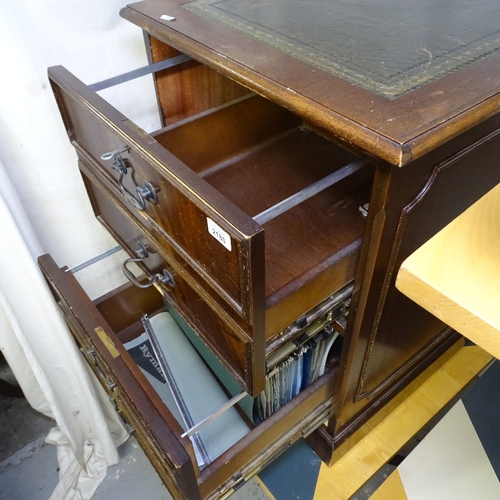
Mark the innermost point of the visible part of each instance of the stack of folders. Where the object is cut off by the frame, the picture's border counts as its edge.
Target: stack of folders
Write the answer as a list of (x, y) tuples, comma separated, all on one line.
[(293, 374)]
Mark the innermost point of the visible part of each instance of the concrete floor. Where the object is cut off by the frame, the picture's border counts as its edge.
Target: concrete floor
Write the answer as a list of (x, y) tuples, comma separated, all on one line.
[(19, 425), (29, 468), (32, 474)]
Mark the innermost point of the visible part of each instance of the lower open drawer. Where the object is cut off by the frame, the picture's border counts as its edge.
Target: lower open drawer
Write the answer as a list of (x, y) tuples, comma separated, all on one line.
[(104, 327)]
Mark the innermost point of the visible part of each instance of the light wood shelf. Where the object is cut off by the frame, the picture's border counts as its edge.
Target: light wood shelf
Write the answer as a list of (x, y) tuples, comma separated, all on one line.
[(456, 274), (374, 444)]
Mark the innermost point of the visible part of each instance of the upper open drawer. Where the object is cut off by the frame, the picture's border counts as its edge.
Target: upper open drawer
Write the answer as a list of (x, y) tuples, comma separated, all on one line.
[(214, 183), (193, 217)]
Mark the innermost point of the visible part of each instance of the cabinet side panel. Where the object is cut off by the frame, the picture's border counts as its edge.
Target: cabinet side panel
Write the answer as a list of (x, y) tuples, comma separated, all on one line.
[(190, 88), (452, 188), (393, 339)]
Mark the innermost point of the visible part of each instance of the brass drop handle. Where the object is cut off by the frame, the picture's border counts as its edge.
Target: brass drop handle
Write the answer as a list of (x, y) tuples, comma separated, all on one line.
[(144, 192), (142, 253)]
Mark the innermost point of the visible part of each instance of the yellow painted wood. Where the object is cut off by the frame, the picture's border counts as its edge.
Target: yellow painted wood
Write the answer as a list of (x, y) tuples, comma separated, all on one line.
[(387, 436), (264, 488), (456, 274), (391, 489), (388, 408)]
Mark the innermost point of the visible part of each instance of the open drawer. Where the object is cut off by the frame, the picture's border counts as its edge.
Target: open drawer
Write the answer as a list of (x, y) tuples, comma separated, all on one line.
[(102, 327), (260, 210)]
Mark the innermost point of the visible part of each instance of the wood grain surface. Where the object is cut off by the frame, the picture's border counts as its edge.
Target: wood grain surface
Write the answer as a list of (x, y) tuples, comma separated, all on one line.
[(455, 274), (384, 438), (398, 130), (392, 489)]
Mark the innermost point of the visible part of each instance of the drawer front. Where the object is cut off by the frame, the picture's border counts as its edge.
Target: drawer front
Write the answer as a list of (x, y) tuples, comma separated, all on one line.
[(156, 429), (227, 338), (94, 327), (223, 243)]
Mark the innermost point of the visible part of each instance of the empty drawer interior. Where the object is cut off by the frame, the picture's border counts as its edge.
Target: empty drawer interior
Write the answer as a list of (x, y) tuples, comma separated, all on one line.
[(257, 155)]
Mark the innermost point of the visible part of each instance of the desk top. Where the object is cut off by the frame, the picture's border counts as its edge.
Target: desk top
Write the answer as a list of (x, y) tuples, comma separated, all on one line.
[(390, 47), (394, 77)]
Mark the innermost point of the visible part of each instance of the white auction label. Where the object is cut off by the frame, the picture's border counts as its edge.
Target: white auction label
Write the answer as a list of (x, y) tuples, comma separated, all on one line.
[(219, 234)]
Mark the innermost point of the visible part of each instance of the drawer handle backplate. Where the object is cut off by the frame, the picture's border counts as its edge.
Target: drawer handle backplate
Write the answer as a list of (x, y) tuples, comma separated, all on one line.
[(142, 253), (128, 427), (93, 356), (144, 192)]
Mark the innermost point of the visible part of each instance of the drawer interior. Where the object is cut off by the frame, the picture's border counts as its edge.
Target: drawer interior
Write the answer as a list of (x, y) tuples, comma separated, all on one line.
[(250, 427), (113, 322), (123, 309), (219, 334), (257, 154)]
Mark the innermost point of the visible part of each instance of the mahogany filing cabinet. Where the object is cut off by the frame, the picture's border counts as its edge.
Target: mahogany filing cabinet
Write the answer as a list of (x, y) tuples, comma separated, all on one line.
[(306, 150)]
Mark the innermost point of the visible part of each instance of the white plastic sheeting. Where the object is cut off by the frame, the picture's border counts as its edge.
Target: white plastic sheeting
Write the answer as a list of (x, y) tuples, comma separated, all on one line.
[(44, 209)]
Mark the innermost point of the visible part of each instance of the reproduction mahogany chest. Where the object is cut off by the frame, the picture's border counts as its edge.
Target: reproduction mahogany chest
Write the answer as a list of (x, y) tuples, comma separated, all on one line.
[(306, 150)]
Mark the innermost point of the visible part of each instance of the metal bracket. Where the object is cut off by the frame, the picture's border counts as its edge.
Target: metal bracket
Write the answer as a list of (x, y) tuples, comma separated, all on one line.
[(215, 414), (93, 260), (110, 383), (136, 73), (128, 427), (311, 190)]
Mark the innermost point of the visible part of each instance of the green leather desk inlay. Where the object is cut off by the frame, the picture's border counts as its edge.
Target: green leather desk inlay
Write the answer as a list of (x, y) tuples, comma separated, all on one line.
[(386, 46)]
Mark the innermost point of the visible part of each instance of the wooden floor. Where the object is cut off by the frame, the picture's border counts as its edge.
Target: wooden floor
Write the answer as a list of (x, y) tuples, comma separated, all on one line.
[(385, 434), (391, 489)]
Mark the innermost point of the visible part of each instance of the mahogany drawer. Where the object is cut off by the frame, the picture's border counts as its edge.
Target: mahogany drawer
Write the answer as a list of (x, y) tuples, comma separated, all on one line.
[(224, 335), (101, 327), (212, 174)]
